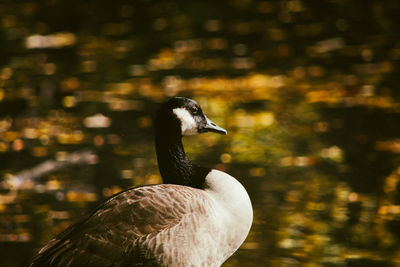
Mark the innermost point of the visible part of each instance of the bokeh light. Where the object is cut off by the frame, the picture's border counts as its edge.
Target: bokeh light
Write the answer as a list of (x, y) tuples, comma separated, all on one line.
[(306, 89)]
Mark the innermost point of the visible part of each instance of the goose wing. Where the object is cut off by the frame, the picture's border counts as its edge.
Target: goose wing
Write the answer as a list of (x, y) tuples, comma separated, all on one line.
[(111, 235)]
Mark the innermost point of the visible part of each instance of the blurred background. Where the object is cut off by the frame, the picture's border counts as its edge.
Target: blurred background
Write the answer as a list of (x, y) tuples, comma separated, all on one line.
[(308, 91)]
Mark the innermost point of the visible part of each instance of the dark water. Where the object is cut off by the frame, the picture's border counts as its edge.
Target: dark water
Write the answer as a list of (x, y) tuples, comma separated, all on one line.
[(308, 91)]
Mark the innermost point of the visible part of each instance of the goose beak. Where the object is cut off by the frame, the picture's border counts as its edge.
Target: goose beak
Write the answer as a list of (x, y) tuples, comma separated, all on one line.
[(211, 127)]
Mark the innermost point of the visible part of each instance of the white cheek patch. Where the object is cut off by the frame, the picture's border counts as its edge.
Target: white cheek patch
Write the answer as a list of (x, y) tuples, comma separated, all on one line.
[(188, 124)]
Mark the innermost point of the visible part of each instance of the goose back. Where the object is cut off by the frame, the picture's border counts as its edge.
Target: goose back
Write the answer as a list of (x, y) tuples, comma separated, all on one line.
[(160, 225)]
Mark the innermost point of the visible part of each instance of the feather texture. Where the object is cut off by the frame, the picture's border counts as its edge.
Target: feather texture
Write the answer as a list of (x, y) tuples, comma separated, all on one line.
[(159, 225)]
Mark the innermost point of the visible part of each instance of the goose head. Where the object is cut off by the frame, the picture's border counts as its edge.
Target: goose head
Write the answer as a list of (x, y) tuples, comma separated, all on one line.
[(184, 116), (179, 117)]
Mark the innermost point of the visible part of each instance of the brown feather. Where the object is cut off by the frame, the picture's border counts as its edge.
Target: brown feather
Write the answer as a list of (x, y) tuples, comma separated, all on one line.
[(122, 224)]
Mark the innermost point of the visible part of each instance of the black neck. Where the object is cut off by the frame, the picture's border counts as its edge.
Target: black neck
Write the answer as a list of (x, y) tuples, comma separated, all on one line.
[(174, 166)]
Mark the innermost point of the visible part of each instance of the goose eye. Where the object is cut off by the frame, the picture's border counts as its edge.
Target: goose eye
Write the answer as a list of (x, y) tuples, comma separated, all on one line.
[(195, 110)]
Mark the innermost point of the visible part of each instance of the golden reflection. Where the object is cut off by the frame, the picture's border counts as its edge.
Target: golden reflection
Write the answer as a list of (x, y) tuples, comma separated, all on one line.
[(308, 97), (97, 121), (226, 158), (56, 40)]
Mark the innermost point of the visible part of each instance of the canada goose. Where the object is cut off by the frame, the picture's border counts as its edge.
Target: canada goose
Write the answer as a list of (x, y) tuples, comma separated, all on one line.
[(198, 217)]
